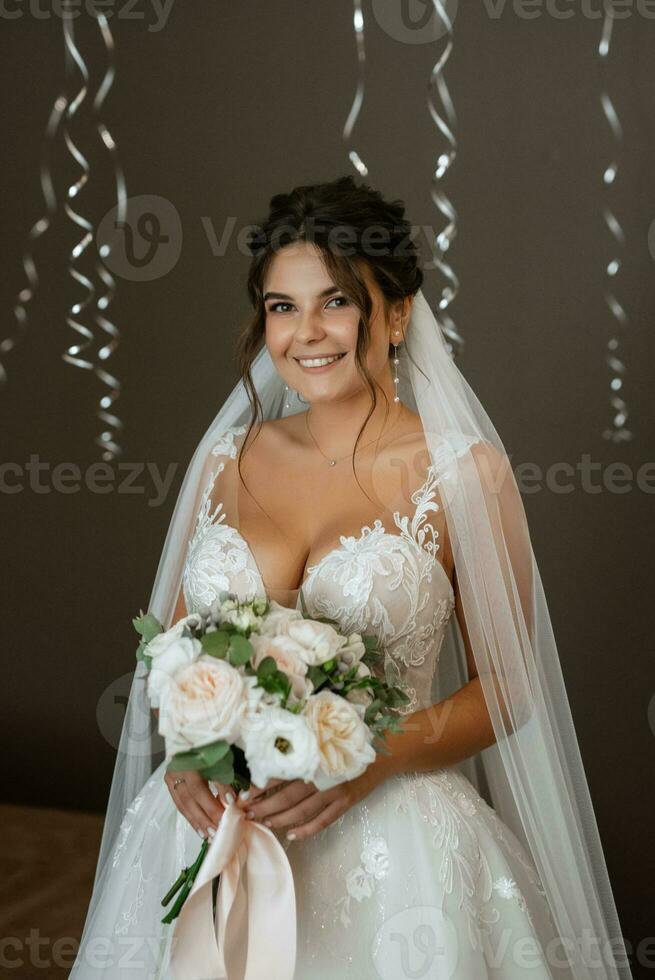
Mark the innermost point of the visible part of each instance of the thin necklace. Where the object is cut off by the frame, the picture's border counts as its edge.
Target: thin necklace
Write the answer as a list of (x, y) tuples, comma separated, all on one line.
[(337, 459)]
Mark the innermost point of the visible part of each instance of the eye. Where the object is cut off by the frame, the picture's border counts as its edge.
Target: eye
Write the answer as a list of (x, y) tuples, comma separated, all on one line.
[(273, 307), (341, 299)]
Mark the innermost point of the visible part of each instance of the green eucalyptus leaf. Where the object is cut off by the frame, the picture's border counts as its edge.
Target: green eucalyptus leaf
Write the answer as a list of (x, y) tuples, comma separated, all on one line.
[(148, 626), (201, 757), (215, 644), (240, 650)]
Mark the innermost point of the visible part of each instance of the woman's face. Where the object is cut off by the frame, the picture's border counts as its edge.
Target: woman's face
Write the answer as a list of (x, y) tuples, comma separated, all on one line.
[(312, 327)]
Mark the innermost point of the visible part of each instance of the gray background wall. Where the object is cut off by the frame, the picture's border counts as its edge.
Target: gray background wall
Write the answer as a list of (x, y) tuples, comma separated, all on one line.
[(222, 107)]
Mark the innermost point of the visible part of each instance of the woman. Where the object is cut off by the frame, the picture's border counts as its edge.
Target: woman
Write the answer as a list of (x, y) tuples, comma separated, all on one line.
[(362, 470)]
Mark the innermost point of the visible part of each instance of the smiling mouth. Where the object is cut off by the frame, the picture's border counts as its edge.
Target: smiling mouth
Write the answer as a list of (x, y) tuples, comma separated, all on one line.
[(314, 362)]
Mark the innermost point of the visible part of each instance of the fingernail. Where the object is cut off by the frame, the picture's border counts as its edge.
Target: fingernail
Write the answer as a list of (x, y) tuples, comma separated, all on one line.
[(291, 835), (230, 798), (267, 823), (211, 831), (244, 794), (201, 833), (250, 814)]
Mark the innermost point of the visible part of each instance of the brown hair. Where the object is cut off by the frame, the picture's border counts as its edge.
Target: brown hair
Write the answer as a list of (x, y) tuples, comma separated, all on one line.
[(350, 224)]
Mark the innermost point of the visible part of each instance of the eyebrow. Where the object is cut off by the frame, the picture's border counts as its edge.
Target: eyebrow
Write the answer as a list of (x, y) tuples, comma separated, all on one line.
[(321, 295)]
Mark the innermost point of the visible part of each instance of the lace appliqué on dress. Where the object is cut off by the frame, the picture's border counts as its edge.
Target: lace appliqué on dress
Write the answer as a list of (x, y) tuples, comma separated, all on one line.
[(218, 558), (360, 880)]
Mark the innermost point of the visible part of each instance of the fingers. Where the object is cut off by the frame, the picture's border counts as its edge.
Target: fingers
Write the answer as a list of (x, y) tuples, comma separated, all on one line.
[(305, 809), (285, 797), (225, 793), (322, 820), (194, 800), (272, 786)]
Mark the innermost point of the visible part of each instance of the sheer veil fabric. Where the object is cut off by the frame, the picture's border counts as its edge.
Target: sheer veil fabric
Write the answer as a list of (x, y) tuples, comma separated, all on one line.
[(533, 775)]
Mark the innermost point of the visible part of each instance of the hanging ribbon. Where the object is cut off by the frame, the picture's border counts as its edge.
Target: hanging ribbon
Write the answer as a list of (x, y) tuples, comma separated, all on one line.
[(26, 294), (81, 354), (353, 155), (617, 430), (253, 935), (111, 420), (446, 124)]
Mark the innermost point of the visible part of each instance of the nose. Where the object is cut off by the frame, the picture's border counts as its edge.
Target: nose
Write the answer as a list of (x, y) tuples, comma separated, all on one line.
[(309, 328)]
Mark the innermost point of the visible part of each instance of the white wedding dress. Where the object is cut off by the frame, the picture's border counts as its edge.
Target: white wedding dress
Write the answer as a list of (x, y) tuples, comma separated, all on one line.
[(421, 878)]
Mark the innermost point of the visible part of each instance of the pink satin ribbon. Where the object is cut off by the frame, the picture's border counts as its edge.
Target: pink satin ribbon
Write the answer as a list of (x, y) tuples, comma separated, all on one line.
[(254, 934)]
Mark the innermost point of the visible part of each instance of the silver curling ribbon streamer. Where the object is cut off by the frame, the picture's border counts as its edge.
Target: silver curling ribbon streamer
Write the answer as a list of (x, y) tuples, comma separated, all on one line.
[(26, 294), (617, 430), (353, 155), (113, 424), (445, 123), (77, 354), (82, 354)]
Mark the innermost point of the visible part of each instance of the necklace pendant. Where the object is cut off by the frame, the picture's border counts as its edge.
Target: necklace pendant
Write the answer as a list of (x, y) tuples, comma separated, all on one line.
[(333, 462)]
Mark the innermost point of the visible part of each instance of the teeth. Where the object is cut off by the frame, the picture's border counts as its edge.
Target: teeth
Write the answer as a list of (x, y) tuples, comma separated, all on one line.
[(318, 361)]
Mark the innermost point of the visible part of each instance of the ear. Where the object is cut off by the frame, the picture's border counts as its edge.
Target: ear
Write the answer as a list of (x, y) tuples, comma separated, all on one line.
[(400, 319)]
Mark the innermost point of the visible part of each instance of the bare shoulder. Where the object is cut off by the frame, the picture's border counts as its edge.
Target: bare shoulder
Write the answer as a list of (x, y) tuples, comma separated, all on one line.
[(276, 437)]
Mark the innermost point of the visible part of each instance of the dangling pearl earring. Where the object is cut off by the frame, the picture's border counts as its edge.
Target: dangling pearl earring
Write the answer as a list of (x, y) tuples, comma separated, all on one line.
[(396, 362), (287, 400)]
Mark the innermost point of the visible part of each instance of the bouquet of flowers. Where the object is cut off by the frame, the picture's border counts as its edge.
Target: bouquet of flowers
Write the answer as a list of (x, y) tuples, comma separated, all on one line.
[(253, 691)]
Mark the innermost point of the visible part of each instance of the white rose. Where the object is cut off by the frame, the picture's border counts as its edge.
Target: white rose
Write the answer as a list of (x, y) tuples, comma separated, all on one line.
[(351, 653), (278, 618), (162, 641), (168, 659), (204, 702), (319, 641), (243, 619), (344, 741), (288, 656), (280, 745)]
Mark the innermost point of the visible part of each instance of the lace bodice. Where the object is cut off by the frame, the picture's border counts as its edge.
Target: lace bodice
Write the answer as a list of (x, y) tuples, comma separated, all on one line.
[(388, 581)]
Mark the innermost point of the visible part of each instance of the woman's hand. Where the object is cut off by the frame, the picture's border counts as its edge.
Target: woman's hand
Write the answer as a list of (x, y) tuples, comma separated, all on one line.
[(196, 802), (304, 808)]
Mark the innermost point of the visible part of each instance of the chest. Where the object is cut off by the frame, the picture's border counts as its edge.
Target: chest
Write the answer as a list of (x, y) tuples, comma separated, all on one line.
[(305, 519)]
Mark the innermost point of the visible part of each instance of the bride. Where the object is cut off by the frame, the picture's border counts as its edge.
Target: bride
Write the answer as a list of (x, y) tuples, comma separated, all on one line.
[(354, 463)]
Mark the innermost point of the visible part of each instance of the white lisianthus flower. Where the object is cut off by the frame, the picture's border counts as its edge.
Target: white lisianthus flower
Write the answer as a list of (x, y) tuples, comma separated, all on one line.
[(204, 702), (281, 746), (278, 618), (288, 656), (257, 702), (319, 642), (351, 653), (344, 741), (167, 660)]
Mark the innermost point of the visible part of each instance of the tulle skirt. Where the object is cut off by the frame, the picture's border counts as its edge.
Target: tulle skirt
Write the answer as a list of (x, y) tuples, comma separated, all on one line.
[(420, 880)]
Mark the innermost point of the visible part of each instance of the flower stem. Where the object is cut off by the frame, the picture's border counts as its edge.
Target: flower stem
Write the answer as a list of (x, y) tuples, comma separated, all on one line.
[(184, 884)]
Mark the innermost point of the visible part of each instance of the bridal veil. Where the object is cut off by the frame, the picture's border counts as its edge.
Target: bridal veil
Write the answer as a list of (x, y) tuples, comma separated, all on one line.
[(533, 774)]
